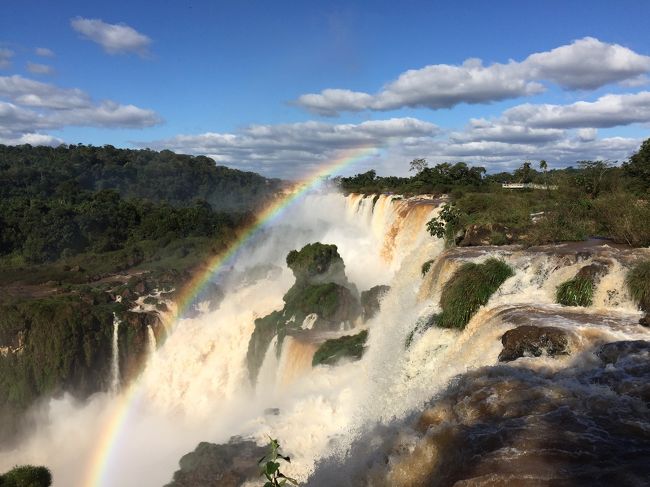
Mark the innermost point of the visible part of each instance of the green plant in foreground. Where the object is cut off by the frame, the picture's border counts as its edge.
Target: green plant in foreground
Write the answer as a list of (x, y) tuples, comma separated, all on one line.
[(638, 284), (470, 288), (578, 291), (270, 466)]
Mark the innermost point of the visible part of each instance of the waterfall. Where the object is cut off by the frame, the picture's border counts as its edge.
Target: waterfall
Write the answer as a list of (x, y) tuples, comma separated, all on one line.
[(151, 342), (198, 388), (115, 357)]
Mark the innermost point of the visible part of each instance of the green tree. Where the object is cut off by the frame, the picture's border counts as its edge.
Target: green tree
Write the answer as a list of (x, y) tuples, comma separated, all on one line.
[(638, 167), (525, 173), (592, 177), (418, 165)]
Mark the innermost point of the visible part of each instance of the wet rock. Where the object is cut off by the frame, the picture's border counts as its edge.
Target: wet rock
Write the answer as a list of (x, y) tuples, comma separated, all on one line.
[(228, 465), (645, 321), (370, 300), (533, 341), (594, 271), (611, 353)]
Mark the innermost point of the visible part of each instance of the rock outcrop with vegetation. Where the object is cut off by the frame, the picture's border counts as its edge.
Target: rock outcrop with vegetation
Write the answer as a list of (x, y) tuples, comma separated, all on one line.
[(349, 347), (321, 299)]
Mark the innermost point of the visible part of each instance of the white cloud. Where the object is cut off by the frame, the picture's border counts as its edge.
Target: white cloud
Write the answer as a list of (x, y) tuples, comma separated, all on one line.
[(31, 106), (606, 111), (37, 68), (289, 150), (587, 64), (44, 52), (293, 150), (584, 64), (31, 138), (114, 38), (5, 57)]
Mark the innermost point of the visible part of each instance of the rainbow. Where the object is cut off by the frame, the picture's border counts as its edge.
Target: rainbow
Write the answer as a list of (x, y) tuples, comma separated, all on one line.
[(121, 409)]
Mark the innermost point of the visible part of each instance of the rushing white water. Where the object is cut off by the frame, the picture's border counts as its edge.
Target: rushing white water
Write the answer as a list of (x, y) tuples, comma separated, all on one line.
[(151, 342), (115, 357), (197, 388)]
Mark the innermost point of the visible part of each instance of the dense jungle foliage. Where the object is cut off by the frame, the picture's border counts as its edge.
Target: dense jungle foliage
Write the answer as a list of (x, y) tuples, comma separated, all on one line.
[(176, 179)]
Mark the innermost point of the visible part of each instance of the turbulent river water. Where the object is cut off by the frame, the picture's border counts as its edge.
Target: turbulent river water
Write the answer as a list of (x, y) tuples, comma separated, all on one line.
[(438, 412)]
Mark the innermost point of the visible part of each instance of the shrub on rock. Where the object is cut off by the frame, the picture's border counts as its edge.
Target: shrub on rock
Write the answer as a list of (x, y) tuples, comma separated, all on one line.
[(332, 351), (470, 288)]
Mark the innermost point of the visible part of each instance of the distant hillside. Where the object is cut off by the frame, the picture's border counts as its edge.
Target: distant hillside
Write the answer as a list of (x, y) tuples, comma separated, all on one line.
[(45, 172)]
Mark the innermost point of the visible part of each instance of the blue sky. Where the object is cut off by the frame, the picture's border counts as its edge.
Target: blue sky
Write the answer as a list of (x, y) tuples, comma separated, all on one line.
[(282, 87)]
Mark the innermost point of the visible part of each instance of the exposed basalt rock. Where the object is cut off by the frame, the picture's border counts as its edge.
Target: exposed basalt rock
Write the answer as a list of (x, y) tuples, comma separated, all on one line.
[(593, 271), (334, 350), (370, 301), (533, 341), (211, 465)]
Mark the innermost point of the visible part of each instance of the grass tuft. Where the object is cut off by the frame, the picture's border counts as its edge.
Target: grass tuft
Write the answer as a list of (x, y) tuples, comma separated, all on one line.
[(638, 284), (578, 291), (470, 288)]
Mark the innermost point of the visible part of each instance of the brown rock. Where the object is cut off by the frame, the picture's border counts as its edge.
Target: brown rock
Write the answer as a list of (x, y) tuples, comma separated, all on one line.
[(533, 341), (645, 321)]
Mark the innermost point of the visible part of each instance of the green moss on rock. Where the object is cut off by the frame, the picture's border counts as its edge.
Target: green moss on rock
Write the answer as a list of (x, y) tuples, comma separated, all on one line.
[(470, 288), (317, 263), (332, 351)]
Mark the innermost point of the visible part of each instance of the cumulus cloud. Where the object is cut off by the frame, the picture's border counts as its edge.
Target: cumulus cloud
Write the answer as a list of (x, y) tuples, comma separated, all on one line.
[(293, 150), (289, 150), (5, 57), (584, 64), (606, 111), (114, 38), (28, 106), (44, 52), (37, 68)]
